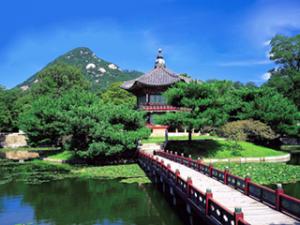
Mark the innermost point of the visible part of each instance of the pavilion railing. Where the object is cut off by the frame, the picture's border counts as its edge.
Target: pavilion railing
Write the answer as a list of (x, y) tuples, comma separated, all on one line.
[(204, 202), (273, 198)]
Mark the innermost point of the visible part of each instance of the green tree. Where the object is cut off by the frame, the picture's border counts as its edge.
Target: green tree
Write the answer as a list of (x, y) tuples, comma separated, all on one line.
[(266, 105), (117, 96), (9, 110), (44, 122), (5, 116), (80, 121), (247, 130), (57, 79), (285, 51), (205, 101)]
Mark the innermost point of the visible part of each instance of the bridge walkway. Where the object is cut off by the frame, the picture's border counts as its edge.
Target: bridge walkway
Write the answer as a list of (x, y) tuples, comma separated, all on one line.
[(254, 211)]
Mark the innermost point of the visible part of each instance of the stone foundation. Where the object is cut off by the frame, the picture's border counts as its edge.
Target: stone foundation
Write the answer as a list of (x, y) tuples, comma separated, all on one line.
[(19, 155)]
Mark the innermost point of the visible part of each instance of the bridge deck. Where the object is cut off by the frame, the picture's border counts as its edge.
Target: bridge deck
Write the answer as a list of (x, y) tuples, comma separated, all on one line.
[(254, 211)]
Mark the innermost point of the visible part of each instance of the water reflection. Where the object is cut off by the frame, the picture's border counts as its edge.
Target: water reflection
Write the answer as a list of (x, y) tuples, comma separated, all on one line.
[(75, 201)]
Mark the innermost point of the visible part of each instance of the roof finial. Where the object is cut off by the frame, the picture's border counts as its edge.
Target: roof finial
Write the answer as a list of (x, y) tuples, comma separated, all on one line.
[(160, 62)]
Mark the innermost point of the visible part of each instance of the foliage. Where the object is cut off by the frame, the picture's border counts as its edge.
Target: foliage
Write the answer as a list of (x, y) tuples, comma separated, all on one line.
[(80, 121), (116, 95), (8, 110), (56, 79), (215, 102), (36, 172), (44, 122), (80, 58), (205, 100), (290, 148), (285, 51), (174, 120), (266, 105), (247, 130), (111, 172), (264, 173)]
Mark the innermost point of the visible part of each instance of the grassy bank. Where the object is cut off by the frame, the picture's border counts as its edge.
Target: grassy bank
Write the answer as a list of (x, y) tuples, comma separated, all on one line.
[(220, 149), (264, 173), (65, 155), (29, 149)]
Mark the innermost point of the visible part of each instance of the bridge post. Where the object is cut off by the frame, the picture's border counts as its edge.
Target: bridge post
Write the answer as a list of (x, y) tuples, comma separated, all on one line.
[(208, 196), (247, 181), (162, 162), (238, 214), (226, 172), (177, 173), (279, 191), (188, 186), (210, 169), (169, 169), (190, 158)]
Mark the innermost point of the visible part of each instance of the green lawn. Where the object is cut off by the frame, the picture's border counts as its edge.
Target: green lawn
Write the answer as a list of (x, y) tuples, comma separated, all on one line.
[(29, 149), (214, 147), (65, 155), (176, 138), (221, 149)]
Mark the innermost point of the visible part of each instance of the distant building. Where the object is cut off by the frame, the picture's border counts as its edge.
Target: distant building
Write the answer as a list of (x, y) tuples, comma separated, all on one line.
[(149, 88)]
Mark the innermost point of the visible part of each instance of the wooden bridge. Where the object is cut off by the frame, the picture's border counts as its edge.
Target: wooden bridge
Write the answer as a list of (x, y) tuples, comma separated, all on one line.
[(216, 196)]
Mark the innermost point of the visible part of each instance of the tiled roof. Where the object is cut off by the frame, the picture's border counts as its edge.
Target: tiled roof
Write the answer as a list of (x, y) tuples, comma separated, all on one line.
[(159, 76)]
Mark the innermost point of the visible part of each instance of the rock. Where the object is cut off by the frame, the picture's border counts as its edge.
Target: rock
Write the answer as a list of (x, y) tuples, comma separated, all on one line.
[(13, 140), (90, 66), (25, 87), (112, 66), (102, 70)]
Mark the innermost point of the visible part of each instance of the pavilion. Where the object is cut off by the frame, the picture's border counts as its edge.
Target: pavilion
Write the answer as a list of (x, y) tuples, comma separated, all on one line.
[(149, 89)]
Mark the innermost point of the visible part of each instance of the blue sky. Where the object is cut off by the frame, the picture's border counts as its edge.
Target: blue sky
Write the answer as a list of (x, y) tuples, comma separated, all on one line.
[(208, 39)]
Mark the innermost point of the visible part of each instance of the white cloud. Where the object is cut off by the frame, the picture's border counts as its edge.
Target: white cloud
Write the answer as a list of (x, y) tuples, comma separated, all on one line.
[(266, 76), (268, 18), (245, 63)]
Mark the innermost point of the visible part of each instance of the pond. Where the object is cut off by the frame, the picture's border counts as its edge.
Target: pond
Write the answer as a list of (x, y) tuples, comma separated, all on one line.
[(83, 201)]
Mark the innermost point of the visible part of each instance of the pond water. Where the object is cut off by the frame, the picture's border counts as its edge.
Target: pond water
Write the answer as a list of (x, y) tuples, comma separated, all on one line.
[(82, 201)]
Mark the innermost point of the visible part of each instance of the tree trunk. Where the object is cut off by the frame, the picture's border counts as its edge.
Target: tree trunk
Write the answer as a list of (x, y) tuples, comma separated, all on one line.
[(190, 134)]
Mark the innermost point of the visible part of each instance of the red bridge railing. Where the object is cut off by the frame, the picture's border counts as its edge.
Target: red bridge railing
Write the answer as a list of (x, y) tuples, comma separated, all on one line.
[(273, 198), (204, 202)]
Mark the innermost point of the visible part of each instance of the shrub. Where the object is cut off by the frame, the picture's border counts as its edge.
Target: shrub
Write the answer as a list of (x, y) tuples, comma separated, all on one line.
[(247, 130)]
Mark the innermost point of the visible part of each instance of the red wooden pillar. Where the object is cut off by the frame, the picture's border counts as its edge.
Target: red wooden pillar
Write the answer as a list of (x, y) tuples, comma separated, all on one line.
[(247, 181), (189, 184), (199, 162), (182, 155), (190, 159), (162, 163), (169, 169), (238, 214), (208, 196), (210, 169), (226, 172), (279, 191), (177, 173)]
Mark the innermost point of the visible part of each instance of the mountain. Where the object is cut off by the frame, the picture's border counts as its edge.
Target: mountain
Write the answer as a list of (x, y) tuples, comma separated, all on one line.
[(99, 72)]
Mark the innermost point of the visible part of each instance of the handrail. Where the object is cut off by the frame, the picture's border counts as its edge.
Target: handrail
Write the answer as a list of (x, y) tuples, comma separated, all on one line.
[(274, 198), (204, 201)]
